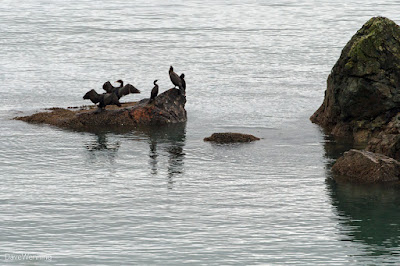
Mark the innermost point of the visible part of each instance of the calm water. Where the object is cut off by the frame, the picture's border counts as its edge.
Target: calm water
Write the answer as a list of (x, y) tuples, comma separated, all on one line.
[(163, 196)]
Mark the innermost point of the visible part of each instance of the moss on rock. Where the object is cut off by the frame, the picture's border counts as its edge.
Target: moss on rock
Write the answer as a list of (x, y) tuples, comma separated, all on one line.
[(364, 84)]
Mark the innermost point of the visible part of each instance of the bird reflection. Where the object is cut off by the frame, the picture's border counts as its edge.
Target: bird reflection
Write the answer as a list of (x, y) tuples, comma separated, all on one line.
[(166, 148), (367, 214), (153, 156), (168, 140), (101, 148)]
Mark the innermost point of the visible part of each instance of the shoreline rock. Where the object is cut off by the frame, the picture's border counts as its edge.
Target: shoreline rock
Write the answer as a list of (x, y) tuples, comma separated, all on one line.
[(366, 167), (229, 137), (362, 101), (363, 92), (168, 107)]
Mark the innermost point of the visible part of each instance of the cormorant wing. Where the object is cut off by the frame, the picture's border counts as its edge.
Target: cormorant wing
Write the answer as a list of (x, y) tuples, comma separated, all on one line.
[(125, 90), (108, 87)]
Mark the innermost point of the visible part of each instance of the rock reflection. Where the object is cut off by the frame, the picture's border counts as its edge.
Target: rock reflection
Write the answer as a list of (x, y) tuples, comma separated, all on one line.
[(368, 214)]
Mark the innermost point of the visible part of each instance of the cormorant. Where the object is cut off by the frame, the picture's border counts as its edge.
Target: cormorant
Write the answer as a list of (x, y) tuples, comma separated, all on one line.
[(103, 99), (154, 92), (182, 76), (176, 80), (121, 90)]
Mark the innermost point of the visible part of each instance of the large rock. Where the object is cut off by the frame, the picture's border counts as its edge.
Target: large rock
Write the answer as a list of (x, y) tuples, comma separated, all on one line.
[(168, 107), (366, 167), (363, 88)]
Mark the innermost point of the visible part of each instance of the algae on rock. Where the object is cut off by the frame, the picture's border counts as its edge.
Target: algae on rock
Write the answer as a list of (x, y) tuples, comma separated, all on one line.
[(364, 84), (362, 101)]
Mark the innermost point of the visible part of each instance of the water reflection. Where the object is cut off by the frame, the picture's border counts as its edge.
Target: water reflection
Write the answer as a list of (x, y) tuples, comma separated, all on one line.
[(100, 147), (166, 146), (368, 214), (168, 140)]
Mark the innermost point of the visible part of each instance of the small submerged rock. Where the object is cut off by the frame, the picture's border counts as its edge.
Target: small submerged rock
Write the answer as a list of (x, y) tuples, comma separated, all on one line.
[(366, 167), (231, 137)]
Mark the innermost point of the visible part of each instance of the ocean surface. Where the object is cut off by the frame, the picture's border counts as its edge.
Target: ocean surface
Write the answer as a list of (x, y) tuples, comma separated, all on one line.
[(163, 196)]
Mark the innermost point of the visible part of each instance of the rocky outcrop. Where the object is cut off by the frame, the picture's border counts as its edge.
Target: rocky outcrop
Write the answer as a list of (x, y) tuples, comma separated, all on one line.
[(168, 107), (366, 167), (363, 89), (230, 138), (362, 101)]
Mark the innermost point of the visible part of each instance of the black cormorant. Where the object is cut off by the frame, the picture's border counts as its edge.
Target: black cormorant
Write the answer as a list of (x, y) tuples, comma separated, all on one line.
[(182, 76), (154, 91), (103, 99), (176, 80)]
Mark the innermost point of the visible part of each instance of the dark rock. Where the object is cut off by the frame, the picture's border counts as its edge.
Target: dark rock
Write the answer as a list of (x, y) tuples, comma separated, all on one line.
[(387, 141), (363, 88), (230, 138), (387, 144), (366, 167), (168, 107)]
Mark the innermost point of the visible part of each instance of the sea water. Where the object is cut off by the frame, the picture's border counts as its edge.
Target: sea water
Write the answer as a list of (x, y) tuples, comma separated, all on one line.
[(164, 196)]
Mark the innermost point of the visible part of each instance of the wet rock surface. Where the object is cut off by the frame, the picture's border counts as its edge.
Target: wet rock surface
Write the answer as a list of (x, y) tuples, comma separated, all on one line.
[(168, 107), (366, 167), (230, 138)]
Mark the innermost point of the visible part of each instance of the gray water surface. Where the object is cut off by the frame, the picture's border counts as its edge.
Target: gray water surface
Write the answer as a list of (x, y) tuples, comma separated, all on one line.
[(163, 196)]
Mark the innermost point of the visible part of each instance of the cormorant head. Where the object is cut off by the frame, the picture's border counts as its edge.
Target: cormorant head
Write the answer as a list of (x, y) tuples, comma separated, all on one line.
[(182, 76), (121, 82), (171, 69), (155, 82)]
